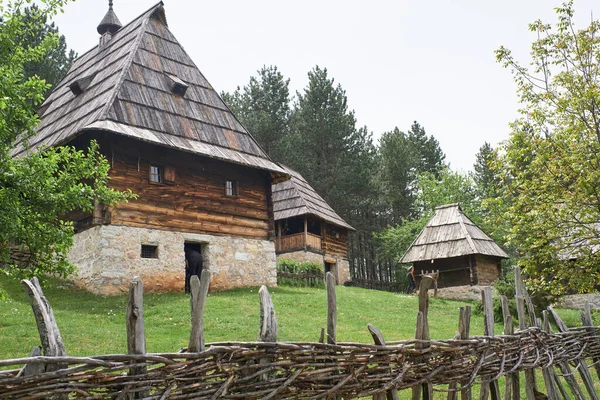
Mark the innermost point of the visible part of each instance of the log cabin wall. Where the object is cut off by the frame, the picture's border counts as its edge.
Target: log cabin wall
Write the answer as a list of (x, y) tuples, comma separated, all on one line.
[(196, 200), (453, 271), (233, 231), (335, 241), (488, 269)]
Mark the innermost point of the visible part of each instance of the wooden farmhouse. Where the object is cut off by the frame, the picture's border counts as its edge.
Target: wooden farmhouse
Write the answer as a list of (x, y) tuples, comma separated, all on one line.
[(453, 245), (202, 180), (307, 228)]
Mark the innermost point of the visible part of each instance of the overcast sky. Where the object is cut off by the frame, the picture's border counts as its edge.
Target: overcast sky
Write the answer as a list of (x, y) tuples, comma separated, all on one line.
[(399, 61)]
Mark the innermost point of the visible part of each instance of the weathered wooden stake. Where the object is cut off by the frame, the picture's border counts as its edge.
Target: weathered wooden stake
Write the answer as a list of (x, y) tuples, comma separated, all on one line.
[(586, 320), (488, 385), (136, 336), (564, 366), (198, 293), (268, 322), (391, 394), (331, 308), (34, 368), (464, 327), (464, 322), (548, 372), (512, 386), (52, 343), (530, 383), (423, 333)]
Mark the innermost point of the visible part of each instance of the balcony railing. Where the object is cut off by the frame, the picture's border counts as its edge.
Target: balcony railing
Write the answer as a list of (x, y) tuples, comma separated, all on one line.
[(296, 241)]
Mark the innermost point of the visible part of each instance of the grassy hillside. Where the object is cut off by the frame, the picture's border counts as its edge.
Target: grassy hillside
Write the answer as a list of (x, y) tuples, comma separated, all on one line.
[(93, 324)]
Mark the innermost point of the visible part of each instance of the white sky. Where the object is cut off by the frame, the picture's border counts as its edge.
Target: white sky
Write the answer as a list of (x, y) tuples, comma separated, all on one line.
[(398, 60)]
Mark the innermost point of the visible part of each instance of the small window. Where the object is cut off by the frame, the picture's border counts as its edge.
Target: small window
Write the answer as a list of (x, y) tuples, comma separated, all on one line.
[(156, 174), (231, 188), (149, 251)]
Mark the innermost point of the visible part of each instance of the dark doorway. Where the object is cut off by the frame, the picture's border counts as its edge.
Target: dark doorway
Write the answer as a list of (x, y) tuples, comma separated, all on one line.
[(195, 261)]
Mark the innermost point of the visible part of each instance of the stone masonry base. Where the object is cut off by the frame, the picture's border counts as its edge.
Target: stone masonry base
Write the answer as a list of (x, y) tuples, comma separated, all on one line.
[(108, 257)]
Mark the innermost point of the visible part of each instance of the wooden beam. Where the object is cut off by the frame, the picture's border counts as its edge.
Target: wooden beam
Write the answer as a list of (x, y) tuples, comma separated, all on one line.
[(305, 231)]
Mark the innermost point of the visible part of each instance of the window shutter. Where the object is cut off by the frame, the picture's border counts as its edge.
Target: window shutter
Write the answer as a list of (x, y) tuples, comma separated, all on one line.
[(169, 174)]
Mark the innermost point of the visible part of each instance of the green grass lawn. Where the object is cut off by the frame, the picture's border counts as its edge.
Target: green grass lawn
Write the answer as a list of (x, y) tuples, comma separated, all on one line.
[(93, 325)]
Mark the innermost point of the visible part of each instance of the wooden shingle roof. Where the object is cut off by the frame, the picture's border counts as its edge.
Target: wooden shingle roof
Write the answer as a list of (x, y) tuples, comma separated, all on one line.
[(295, 197), (127, 88), (450, 233)]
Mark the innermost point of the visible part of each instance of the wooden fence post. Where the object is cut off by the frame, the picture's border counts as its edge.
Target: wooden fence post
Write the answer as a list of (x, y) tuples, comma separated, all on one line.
[(422, 333), (530, 383), (198, 293), (136, 336), (586, 320), (512, 386), (565, 367), (268, 322), (52, 343), (548, 372), (331, 308), (391, 394), (487, 384), (464, 326), (464, 322)]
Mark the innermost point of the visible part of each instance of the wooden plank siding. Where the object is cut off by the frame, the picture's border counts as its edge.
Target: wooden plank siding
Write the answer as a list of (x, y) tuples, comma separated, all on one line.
[(335, 241), (296, 241), (196, 201)]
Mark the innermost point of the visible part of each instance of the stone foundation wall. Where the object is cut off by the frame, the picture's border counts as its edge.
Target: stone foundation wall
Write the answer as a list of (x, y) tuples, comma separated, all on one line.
[(108, 257), (341, 264), (302, 256)]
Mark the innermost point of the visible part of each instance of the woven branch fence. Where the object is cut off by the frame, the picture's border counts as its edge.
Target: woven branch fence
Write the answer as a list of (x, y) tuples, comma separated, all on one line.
[(268, 369)]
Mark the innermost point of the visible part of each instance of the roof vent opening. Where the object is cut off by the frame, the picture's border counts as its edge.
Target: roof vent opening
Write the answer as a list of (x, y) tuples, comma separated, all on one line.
[(80, 85), (178, 86)]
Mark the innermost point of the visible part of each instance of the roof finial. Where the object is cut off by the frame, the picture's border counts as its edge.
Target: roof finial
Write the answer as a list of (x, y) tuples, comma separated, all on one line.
[(110, 22)]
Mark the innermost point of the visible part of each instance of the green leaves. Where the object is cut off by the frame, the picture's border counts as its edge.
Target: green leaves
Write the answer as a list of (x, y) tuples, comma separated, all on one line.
[(38, 190), (550, 166)]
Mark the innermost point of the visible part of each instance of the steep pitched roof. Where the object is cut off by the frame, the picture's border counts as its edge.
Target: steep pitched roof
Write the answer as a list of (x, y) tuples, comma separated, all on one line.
[(296, 197), (450, 233), (125, 86)]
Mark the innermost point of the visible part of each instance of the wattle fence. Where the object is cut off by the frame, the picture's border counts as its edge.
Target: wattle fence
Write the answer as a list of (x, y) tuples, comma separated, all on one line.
[(268, 369)]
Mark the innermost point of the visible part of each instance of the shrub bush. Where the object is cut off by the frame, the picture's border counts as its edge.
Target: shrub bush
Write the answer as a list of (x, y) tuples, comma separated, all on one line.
[(306, 274)]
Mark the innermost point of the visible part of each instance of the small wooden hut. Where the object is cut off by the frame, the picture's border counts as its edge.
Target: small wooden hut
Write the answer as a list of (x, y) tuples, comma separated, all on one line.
[(453, 245), (307, 228)]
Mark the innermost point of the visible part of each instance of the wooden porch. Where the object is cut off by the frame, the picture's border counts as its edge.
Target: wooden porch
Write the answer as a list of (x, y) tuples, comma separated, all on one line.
[(298, 241)]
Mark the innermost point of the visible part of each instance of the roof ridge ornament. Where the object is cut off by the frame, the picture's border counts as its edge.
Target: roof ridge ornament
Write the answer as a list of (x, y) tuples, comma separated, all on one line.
[(110, 22)]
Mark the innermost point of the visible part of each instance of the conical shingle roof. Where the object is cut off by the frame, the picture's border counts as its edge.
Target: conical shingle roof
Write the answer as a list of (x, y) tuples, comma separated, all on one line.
[(448, 234), (295, 197), (126, 86)]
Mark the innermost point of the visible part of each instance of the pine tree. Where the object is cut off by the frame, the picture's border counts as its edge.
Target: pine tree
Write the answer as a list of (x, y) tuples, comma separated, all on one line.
[(57, 60), (263, 107)]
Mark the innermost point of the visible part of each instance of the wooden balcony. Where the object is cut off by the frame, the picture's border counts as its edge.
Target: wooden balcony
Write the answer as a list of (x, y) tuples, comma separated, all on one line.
[(297, 241)]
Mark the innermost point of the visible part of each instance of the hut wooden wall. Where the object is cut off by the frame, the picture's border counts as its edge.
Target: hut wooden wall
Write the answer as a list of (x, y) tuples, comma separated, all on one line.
[(335, 245), (196, 201), (453, 271), (459, 271), (488, 269)]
